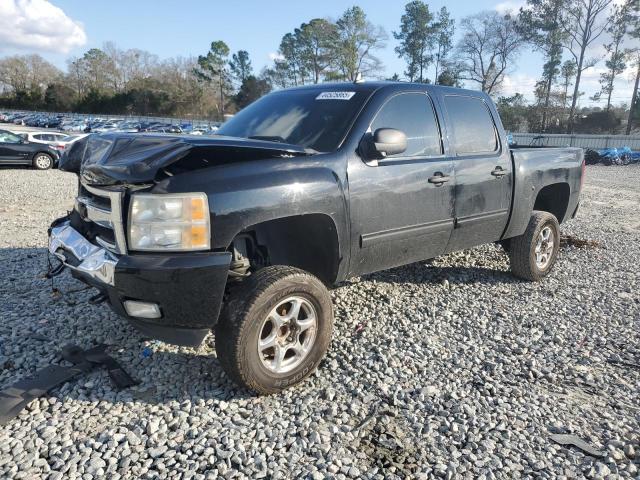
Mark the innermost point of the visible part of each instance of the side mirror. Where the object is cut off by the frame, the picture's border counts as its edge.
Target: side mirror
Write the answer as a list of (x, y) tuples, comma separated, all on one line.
[(389, 141)]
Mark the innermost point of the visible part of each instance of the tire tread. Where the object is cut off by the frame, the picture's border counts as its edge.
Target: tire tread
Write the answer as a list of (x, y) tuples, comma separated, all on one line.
[(520, 248), (232, 325)]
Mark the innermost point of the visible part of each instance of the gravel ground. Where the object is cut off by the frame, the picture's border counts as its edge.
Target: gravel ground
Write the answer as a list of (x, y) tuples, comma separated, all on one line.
[(450, 368)]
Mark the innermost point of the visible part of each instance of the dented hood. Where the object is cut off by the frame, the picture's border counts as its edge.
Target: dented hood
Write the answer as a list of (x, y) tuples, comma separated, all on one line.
[(121, 158)]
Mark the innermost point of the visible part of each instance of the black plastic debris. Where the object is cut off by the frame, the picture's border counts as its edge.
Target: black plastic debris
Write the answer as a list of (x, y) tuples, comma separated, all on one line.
[(573, 440), (15, 398)]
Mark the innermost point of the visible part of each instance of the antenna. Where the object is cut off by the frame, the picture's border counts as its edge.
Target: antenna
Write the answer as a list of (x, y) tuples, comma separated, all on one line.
[(358, 78)]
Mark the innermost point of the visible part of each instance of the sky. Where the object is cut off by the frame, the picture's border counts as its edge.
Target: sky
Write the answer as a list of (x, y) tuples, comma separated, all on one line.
[(58, 29)]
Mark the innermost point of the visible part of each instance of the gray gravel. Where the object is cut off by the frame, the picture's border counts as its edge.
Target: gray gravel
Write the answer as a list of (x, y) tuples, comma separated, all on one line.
[(448, 368)]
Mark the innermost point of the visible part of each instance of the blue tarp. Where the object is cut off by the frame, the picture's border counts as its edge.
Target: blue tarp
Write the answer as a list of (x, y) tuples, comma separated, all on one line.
[(612, 156)]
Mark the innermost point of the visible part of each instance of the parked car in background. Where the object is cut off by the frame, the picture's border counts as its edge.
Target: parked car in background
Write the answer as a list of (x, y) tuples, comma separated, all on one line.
[(71, 139), (129, 127), (109, 126), (15, 150), (54, 139), (74, 126)]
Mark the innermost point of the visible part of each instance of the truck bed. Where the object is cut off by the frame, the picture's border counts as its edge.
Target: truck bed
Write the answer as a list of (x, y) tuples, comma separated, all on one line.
[(536, 168)]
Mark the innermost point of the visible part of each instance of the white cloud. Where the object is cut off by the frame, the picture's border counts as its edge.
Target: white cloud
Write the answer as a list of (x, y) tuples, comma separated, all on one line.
[(38, 25), (509, 6), (275, 56), (518, 83)]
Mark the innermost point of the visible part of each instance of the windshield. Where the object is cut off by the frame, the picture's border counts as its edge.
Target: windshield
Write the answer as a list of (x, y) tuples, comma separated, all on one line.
[(315, 119)]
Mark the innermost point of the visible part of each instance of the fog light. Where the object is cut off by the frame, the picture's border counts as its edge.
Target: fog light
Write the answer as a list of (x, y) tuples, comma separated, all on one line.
[(142, 309)]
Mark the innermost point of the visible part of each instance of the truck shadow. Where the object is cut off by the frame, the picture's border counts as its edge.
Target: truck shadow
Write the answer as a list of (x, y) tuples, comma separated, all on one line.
[(456, 271)]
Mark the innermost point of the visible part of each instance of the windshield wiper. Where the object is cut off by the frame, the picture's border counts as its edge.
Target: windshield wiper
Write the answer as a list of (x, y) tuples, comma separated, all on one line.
[(278, 139), (269, 138)]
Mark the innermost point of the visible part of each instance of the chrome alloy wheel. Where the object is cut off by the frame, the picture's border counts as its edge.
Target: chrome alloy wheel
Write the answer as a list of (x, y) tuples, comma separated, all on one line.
[(287, 334), (544, 247), (43, 162)]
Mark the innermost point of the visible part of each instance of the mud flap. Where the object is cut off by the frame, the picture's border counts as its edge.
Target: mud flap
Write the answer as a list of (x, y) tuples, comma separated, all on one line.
[(13, 399)]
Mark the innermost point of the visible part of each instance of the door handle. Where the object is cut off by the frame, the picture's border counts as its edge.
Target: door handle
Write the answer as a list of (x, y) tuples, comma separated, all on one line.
[(498, 172), (438, 179)]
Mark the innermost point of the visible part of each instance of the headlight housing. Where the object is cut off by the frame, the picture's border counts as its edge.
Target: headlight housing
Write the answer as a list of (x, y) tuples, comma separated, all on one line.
[(169, 222)]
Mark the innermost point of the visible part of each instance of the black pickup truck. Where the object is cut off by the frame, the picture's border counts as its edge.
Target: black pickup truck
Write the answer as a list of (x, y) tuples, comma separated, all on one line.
[(243, 232)]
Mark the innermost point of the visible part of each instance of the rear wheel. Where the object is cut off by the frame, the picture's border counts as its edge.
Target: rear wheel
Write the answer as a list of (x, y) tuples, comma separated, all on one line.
[(274, 329), (42, 161), (533, 254)]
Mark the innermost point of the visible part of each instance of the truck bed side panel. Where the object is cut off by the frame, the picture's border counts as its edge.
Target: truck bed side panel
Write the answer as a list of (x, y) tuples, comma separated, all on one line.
[(536, 168)]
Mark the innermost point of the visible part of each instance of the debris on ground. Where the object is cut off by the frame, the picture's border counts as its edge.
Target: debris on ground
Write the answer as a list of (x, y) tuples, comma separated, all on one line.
[(15, 398), (570, 240), (568, 439)]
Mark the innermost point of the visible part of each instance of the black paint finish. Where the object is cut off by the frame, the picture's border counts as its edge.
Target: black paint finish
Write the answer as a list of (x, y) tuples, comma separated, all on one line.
[(384, 211), (188, 287), (22, 152)]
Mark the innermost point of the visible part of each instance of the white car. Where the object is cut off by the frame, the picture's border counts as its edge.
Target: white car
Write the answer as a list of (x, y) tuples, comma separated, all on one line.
[(55, 139), (66, 143), (59, 141)]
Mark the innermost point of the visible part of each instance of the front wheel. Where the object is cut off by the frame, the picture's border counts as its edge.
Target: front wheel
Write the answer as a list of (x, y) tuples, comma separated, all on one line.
[(533, 254), (42, 161), (274, 329)]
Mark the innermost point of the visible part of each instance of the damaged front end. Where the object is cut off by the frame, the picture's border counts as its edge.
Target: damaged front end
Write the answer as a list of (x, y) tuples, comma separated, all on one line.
[(132, 159), (173, 294)]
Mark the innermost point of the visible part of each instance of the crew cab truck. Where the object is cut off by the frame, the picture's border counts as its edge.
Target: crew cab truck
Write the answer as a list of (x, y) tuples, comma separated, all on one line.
[(242, 233)]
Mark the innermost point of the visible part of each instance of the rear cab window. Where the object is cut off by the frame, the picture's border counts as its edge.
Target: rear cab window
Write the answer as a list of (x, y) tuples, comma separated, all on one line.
[(474, 130), (413, 114)]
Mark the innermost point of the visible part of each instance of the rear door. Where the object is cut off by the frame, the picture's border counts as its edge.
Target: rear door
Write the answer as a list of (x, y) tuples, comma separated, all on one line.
[(483, 172), (400, 212)]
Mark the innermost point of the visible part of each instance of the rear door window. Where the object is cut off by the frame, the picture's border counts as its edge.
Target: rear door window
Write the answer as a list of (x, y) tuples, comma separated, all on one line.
[(473, 127), (413, 114)]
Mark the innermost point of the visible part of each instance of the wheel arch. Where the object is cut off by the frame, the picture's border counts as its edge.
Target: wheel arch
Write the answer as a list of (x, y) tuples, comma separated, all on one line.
[(307, 241), (554, 199)]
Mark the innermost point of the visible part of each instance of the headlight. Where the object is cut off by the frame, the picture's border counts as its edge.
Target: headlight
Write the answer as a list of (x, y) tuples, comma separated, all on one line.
[(169, 222)]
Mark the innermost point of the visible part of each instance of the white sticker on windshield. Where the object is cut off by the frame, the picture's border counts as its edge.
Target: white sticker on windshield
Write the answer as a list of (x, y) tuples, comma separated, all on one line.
[(335, 96)]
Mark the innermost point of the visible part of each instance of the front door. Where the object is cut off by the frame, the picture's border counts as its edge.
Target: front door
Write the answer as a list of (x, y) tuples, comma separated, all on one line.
[(12, 148), (483, 173), (402, 205)]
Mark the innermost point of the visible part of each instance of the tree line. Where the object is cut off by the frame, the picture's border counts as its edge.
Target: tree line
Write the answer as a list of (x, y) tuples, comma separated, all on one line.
[(219, 82)]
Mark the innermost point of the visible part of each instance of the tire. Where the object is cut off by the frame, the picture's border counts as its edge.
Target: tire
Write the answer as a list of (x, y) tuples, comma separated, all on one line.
[(248, 317), (42, 161), (528, 264), (505, 244)]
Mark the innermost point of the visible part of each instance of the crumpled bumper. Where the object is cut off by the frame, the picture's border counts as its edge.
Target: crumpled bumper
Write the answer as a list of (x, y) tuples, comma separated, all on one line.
[(187, 287), (86, 258)]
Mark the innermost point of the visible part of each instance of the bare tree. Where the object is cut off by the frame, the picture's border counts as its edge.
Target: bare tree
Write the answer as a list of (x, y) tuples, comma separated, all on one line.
[(27, 73), (582, 27), (489, 46), (633, 56), (615, 63), (635, 60), (568, 72)]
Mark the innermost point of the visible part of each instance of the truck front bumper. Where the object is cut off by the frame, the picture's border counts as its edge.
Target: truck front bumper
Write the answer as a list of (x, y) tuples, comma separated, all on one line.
[(186, 288)]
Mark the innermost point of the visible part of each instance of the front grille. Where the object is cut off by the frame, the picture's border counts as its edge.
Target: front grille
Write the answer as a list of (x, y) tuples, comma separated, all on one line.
[(101, 211)]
